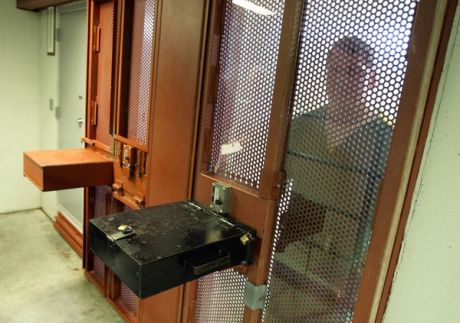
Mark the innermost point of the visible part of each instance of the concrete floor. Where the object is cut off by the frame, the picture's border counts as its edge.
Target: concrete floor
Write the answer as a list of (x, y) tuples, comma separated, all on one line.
[(41, 279)]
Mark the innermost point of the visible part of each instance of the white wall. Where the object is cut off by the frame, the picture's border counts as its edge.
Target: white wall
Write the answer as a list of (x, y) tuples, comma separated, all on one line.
[(19, 104), (427, 283), (49, 87)]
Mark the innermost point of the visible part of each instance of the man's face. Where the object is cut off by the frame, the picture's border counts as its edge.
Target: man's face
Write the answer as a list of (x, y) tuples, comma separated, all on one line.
[(346, 77)]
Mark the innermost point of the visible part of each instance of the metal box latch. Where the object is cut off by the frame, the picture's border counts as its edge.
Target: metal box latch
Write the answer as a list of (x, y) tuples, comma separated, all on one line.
[(124, 231)]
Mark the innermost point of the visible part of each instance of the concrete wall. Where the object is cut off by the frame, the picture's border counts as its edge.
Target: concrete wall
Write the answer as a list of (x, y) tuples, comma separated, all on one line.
[(19, 104), (427, 283)]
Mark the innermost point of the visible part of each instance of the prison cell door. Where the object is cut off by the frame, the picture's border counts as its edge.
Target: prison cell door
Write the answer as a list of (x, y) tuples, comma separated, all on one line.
[(345, 76), (241, 135)]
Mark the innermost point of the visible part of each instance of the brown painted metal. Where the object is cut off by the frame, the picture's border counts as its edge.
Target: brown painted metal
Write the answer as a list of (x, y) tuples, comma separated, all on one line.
[(164, 307), (124, 18), (131, 142), (428, 25), (96, 30), (96, 281), (254, 208), (248, 207), (36, 5), (420, 149), (91, 72), (70, 234), (119, 307), (252, 316), (115, 284), (202, 133), (89, 23), (272, 177), (189, 310), (177, 80), (178, 56), (211, 78), (128, 189), (67, 168), (87, 215)]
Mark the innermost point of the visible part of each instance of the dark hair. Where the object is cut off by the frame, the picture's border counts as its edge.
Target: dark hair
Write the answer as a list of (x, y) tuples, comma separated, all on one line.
[(355, 46)]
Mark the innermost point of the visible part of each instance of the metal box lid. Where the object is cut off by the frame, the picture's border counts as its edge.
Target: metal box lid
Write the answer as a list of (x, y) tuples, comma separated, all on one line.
[(169, 245)]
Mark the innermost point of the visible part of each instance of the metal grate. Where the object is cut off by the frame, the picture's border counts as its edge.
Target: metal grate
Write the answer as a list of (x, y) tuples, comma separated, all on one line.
[(99, 268), (350, 72), (220, 297), (248, 59), (102, 197), (141, 69), (129, 299), (104, 74)]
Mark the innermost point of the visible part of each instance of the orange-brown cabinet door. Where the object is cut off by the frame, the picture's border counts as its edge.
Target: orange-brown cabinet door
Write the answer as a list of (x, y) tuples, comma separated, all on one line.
[(302, 102), (101, 67), (135, 69)]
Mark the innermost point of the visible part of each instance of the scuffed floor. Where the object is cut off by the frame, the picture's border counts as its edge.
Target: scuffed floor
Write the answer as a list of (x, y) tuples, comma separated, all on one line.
[(41, 279)]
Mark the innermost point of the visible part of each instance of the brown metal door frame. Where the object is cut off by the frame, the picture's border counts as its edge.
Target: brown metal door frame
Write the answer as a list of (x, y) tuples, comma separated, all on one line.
[(253, 207), (181, 27), (92, 18), (257, 208), (429, 41), (440, 58), (93, 43)]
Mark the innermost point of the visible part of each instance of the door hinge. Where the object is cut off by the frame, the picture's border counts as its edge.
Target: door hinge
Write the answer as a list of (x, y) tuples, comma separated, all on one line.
[(97, 39), (94, 108), (255, 296)]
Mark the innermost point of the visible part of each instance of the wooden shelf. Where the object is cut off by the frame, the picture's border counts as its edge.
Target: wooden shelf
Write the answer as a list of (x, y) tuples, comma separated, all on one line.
[(68, 168)]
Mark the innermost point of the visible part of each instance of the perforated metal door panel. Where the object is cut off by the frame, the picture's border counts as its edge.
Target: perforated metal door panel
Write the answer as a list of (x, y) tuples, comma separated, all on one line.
[(350, 72), (141, 69), (128, 299), (101, 194), (104, 204), (99, 268), (248, 60), (220, 297), (104, 73)]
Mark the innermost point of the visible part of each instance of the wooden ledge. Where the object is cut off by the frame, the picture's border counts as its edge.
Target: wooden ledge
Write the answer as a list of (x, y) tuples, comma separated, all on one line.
[(68, 168), (70, 234)]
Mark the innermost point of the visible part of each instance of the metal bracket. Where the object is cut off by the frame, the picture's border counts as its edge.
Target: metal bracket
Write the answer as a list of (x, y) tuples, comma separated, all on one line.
[(220, 200), (124, 231), (255, 296)]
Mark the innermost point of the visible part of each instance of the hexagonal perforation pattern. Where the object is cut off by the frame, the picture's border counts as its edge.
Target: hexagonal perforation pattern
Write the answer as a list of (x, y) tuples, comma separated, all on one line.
[(101, 194), (350, 73), (141, 69), (128, 298), (104, 74), (220, 297), (248, 60)]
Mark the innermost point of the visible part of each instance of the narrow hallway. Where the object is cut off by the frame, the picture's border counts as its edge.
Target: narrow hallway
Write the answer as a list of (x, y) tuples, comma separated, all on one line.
[(41, 277)]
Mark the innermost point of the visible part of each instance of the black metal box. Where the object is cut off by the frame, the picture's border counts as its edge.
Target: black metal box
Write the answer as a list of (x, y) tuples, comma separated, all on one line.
[(165, 246)]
